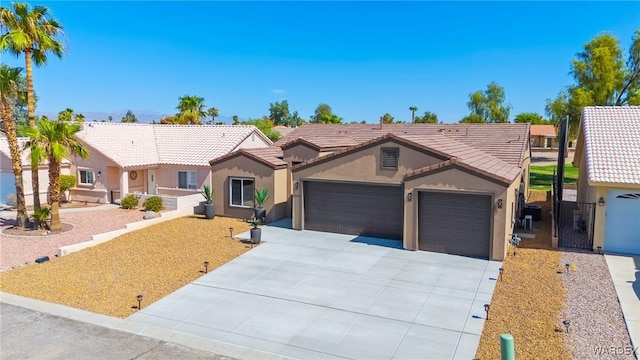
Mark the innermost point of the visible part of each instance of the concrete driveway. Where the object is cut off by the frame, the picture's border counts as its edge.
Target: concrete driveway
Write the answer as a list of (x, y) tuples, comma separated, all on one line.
[(625, 273), (315, 295)]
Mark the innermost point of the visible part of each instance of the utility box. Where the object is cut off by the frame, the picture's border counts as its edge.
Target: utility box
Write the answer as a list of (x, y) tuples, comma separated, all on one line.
[(528, 222)]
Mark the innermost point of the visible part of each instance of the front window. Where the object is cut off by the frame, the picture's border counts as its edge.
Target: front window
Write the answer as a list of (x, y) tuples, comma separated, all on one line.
[(242, 191), (187, 180), (86, 176)]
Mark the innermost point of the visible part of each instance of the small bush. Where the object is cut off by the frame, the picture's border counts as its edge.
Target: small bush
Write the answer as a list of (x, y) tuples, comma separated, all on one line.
[(153, 203), (67, 182), (41, 215), (129, 202), (12, 200)]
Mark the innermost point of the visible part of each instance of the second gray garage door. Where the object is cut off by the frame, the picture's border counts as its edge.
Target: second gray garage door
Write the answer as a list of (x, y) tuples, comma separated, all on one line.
[(355, 209), (455, 223)]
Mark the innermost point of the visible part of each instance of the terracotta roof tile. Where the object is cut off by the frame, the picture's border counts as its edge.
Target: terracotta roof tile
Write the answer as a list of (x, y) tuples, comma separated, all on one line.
[(612, 143), (543, 130)]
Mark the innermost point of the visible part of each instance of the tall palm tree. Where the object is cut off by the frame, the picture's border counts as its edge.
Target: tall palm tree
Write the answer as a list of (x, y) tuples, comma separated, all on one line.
[(413, 113), (192, 107), (31, 31), (12, 90), (66, 114), (213, 112), (54, 140)]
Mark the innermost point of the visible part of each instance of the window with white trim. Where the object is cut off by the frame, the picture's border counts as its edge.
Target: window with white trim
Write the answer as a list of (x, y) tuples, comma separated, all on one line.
[(241, 192), (389, 158), (85, 176), (187, 180)]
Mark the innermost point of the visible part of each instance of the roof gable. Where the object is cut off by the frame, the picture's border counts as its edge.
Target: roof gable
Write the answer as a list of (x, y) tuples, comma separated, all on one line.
[(271, 156)]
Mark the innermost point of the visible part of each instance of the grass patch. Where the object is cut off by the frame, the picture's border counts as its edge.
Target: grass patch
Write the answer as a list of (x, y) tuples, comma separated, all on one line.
[(541, 177), (154, 262)]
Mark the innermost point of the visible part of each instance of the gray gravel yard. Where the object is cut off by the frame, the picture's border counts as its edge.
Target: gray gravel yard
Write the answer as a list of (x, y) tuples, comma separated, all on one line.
[(15, 251), (597, 329)]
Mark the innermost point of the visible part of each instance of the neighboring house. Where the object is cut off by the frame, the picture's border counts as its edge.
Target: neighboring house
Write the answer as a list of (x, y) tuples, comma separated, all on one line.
[(283, 130), (8, 179), (446, 188), (543, 136), (154, 159), (608, 155)]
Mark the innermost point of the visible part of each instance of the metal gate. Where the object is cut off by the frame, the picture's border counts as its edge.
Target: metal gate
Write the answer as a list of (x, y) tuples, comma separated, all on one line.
[(576, 224)]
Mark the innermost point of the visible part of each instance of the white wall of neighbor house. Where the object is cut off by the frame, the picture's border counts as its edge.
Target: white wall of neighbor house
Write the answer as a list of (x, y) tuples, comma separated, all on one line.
[(454, 179), (252, 141)]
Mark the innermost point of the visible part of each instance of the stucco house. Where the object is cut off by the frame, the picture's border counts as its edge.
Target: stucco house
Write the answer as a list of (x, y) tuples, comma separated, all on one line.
[(608, 156), (154, 159), (543, 136), (8, 180), (445, 188)]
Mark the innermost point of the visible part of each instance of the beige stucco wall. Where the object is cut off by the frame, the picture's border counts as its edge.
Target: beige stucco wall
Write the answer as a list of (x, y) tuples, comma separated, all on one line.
[(43, 183), (167, 175), (299, 153), (265, 177), (454, 179)]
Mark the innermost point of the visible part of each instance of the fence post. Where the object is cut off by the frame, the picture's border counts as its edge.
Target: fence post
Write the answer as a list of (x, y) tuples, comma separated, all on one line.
[(507, 351)]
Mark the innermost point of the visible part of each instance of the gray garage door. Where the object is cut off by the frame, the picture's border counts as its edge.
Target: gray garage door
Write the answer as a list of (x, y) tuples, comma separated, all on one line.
[(453, 223), (356, 209)]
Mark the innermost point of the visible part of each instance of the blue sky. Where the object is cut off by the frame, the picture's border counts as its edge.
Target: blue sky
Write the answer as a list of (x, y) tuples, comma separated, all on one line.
[(362, 58)]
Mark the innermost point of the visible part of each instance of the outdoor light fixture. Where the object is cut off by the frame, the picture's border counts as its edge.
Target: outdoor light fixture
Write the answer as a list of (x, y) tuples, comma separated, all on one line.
[(139, 298), (206, 267), (600, 250), (486, 310), (601, 201), (499, 203), (567, 267), (409, 196), (566, 324), (295, 185), (231, 232), (99, 173), (501, 271)]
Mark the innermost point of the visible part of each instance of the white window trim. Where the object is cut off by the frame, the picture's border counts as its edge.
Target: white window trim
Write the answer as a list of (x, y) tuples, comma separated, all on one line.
[(195, 184), (231, 204), (87, 170)]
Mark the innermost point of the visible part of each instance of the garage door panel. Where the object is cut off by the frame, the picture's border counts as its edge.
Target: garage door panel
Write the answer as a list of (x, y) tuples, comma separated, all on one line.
[(455, 223), (622, 228), (356, 209)]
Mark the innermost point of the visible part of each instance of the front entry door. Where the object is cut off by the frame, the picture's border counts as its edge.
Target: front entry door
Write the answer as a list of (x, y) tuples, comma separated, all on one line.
[(151, 182)]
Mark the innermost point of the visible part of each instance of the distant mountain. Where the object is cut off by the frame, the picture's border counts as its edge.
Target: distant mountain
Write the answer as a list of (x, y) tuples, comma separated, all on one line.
[(144, 116)]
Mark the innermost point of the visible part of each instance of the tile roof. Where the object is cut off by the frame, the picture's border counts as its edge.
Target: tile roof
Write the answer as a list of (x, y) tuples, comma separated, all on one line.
[(508, 142), (612, 143), (25, 153), (133, 145), (270, 156), (543, 130), (443, 147)]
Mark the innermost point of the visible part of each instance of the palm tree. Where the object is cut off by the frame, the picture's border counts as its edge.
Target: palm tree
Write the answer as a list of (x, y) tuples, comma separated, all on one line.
[(34, 32), (66, 114), (12, 84), (213, 112), (54, 140), (413, 113), (192, 108)]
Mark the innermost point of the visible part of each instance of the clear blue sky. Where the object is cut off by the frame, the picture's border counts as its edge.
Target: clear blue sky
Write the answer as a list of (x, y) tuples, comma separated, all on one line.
[(362, 58)]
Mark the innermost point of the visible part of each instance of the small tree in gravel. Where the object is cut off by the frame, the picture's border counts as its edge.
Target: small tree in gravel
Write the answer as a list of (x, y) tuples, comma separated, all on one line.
[(66, 183)]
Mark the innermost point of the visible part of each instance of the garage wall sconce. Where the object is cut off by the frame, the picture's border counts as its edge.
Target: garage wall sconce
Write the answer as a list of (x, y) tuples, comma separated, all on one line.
[(99, 173), (409, 197), (601, 201), (499, 203), (295, 185)]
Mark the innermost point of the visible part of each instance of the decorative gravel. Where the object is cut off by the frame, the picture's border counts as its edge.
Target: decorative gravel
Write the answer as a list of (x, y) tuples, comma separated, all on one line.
[(16, 251), (528, 301), (154, 262), (597, 329)]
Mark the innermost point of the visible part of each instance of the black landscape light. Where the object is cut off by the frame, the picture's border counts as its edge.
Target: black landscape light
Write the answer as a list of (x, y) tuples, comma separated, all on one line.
[(566, 266), (600, 250), (206, 267), (139, 298), (486, 310), (231, 232), (566, 324), (501, 271)]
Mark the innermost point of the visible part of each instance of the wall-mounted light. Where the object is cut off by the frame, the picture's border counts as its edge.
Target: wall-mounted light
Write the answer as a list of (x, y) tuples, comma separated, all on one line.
[(601, 201), (499, 203), (295, 185), (409, 196), (99, 173)]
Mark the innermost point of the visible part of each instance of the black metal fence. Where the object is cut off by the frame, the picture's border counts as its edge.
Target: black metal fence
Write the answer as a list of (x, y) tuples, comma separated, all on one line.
[(576, 224)]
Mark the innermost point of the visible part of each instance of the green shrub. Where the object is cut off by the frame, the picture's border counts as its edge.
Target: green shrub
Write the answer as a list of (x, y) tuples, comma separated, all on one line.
[(129, 202), (41, 215), (67, 182), (153, 203)]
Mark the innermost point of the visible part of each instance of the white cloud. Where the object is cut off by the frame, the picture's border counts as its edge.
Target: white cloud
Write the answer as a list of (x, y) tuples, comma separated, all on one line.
[(278, 91)]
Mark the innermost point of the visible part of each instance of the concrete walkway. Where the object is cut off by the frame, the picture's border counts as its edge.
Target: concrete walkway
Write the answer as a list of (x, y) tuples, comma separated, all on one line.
[(314, 295), (625, 272)]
